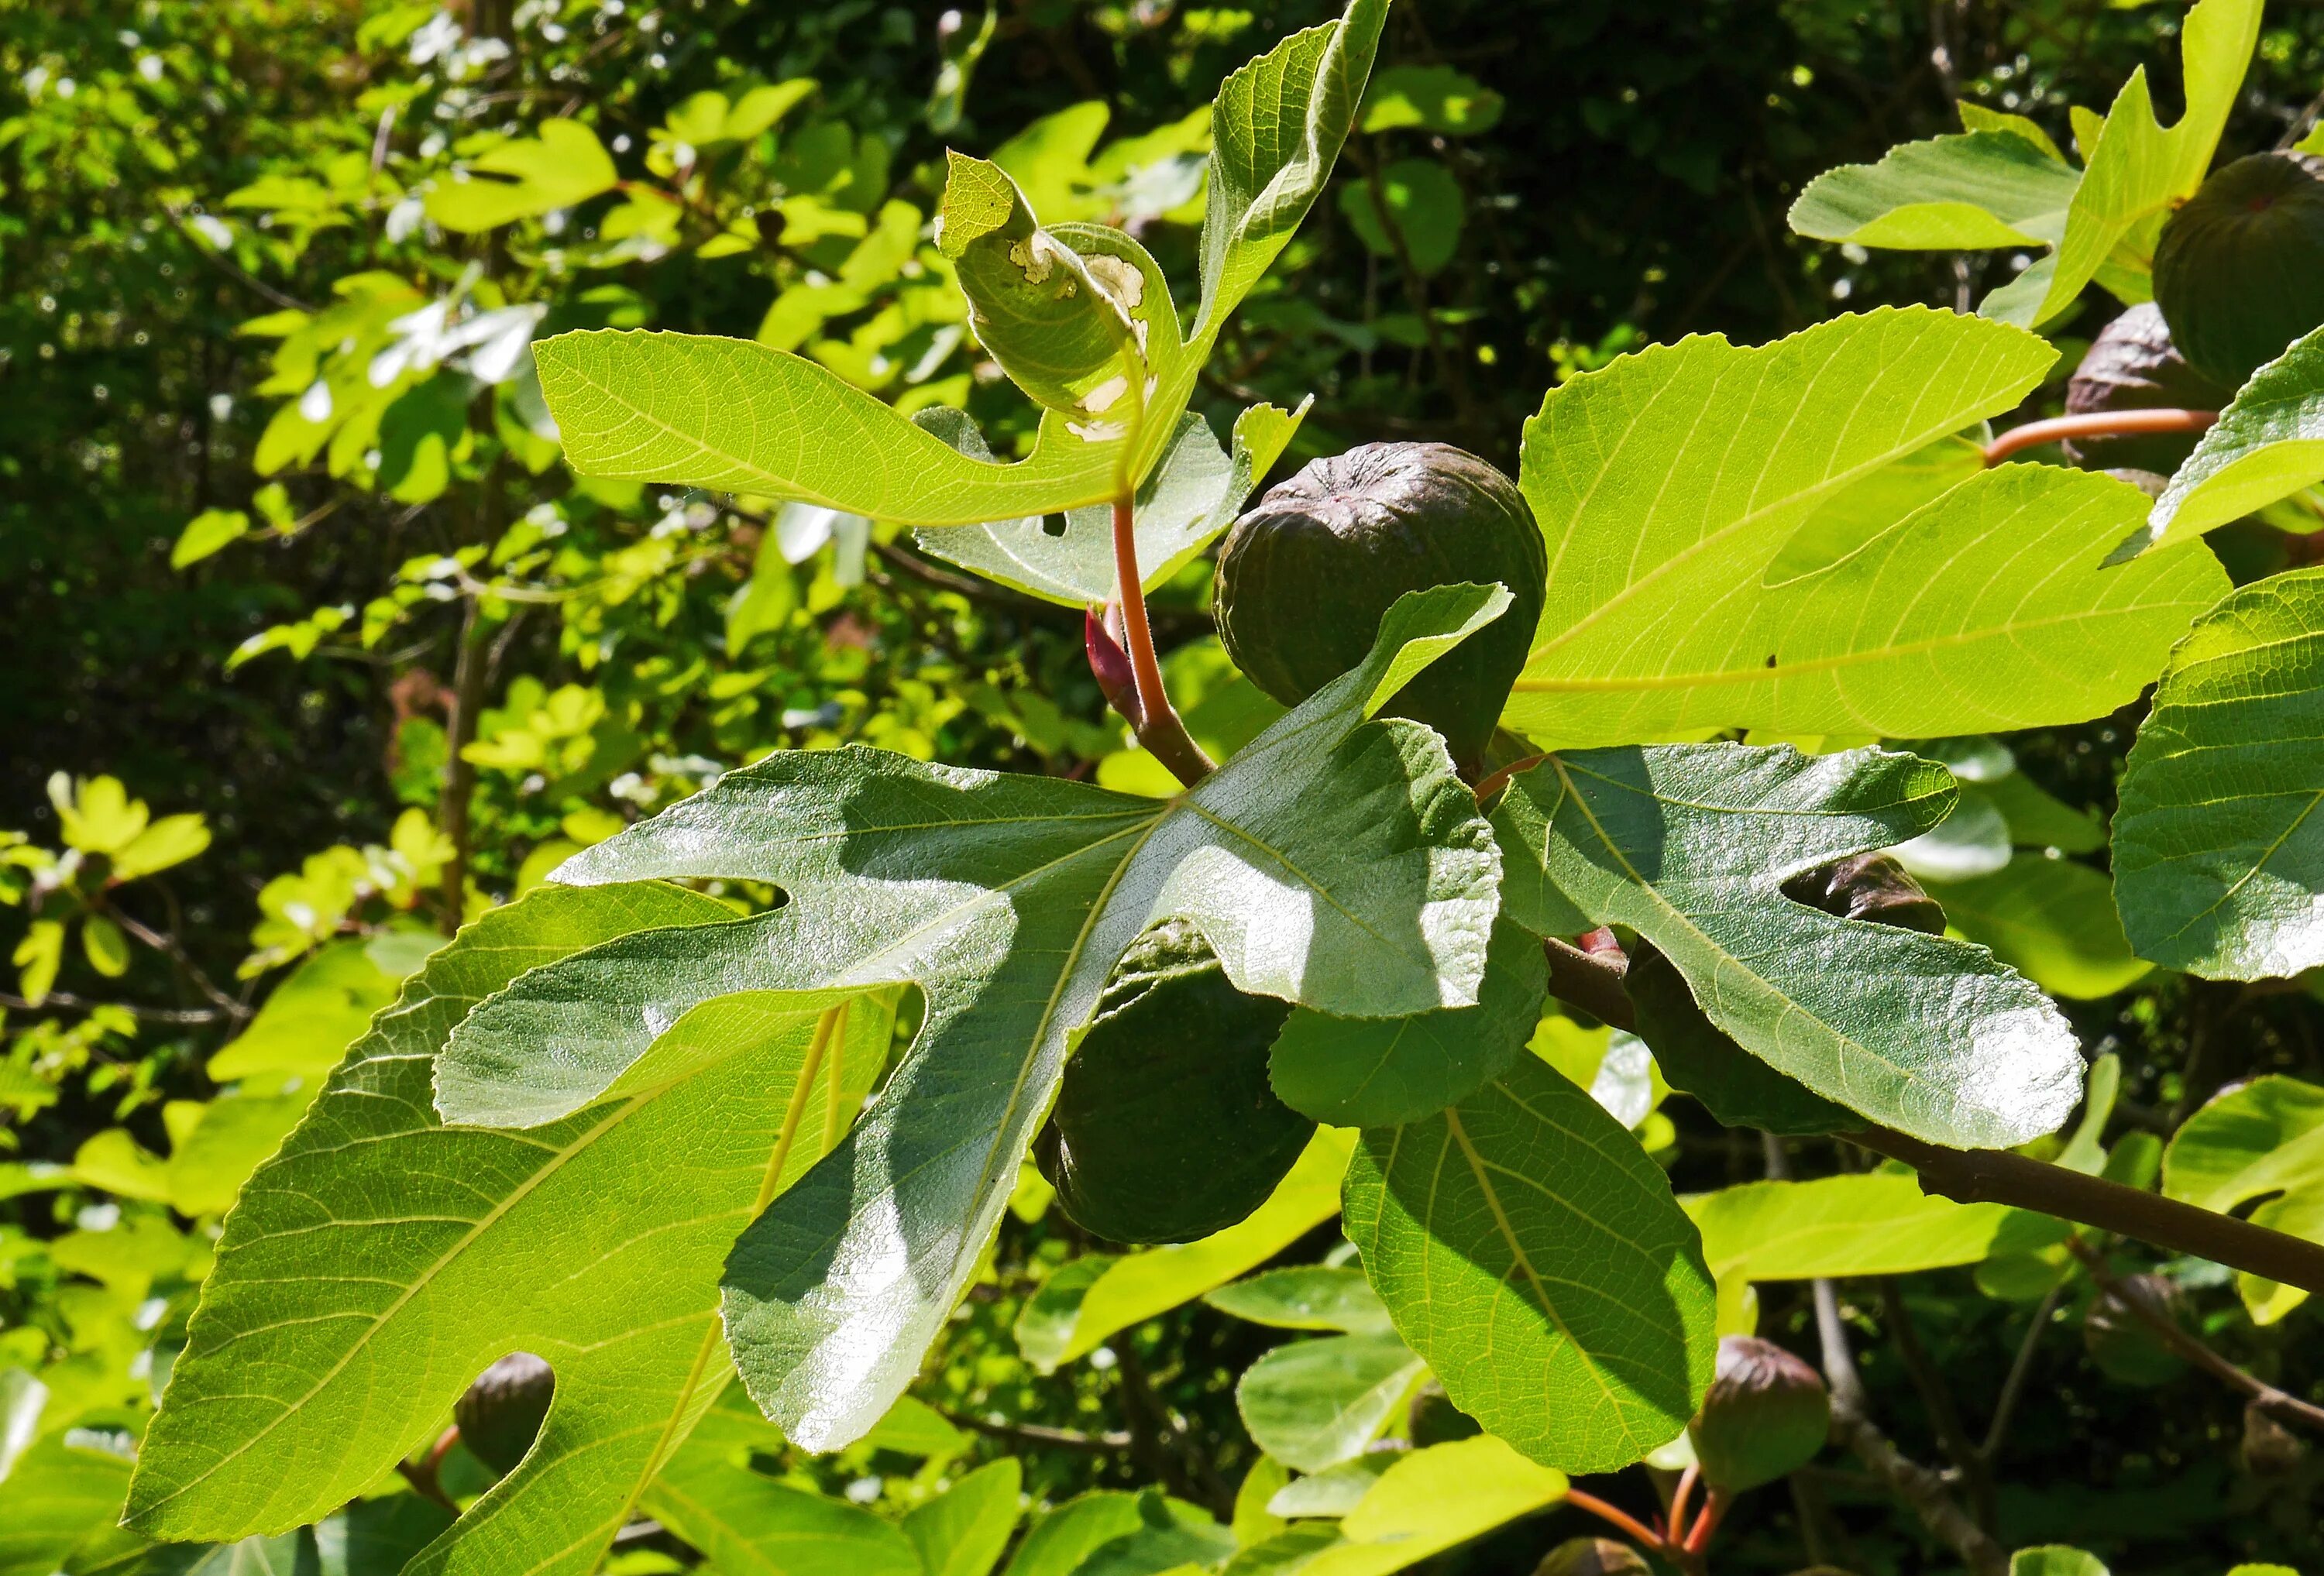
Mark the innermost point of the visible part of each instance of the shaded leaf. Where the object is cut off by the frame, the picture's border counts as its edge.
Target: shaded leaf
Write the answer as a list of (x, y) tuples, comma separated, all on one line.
[(2052, 920), (383, 1259), (1306, 1297), (2218, 855), (1532, 1253), (1378, 1072)]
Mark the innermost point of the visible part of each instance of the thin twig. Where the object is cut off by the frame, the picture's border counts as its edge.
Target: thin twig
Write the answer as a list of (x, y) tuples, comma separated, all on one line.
[(1944, 1417), (2281, 1404), (232, 270), (1042, 1433), (1614, 1515), (2097, 424), (64, 1001), (1923, 1490), (2013, 1389), (170, 947)]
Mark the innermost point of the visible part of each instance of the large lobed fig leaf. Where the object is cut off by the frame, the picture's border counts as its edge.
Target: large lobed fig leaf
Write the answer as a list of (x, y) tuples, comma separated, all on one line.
[(383, 1259), (1724, 550), (1007, 899), (1689, 846)]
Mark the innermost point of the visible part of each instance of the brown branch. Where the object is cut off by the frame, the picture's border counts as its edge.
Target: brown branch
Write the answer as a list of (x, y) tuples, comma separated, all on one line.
[(2281, 1404), (2097, 424), (2021, 1368), (1593, 983), (1920, 1489), (1999, 1176)]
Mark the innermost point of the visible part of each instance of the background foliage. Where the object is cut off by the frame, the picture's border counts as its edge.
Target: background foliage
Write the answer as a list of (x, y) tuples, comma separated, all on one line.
[(314, 647)]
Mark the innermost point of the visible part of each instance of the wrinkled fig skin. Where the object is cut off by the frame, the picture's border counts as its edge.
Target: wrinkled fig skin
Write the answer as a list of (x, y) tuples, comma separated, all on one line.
[(1765, 1414), (1166, 1127), (501, 1414), (1740, 1089), (1592, 1557), (1870, 886), (2239, 271), (2132, 365), (1305, 577)]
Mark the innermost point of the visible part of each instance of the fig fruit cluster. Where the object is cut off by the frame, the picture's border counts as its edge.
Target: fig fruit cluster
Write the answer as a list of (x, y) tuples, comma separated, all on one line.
[(1166, 1127), (1306, 576)]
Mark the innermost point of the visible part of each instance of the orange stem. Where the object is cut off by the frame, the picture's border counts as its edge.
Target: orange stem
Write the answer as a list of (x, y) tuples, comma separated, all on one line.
[(1679, 1497), (1159, 727), (2097, 424), (1622, 1520), (1698, 1536)]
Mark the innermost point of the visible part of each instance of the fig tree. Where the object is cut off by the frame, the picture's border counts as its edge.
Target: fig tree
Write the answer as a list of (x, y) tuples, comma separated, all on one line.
[(1166, 1127), (2132, 365), (1765, 1414), (1305, 577), (501, 1414), (2239, 271)]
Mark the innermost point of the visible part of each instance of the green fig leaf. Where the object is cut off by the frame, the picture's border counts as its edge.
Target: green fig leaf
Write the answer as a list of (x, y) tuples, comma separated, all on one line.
[(2218, 855), (380, 1242), (1532, 1253), (2268, 444), (1191, 496), (2263, 1140), (1962, 193), (2138, 168), (1379, 1072), (1313, 1404), (1306, 1297), (1097, 1296), (2051, 919), (1007, 900), (1668, 483), (1689, 846)]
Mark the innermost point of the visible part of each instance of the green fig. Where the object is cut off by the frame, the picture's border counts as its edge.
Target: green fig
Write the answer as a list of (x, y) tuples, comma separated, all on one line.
[(1305, 577), (2123, 1343), (1765, 1414), (1166, 1126), (501, 1414), (2239, 270)]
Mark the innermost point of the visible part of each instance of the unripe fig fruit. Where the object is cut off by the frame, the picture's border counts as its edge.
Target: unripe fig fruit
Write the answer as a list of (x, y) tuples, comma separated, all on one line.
[(1435, 1420), (2132, 365), (501, 1414), (2239, 271), (2125, 1346), (1306, 576), (1166, 1127), (1765, 1414), (2269, 1449), (1592, 1557), (1738, 1088)]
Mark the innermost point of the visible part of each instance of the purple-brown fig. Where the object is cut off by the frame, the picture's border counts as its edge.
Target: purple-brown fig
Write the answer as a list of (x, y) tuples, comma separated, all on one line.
[(1765, 1414)]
